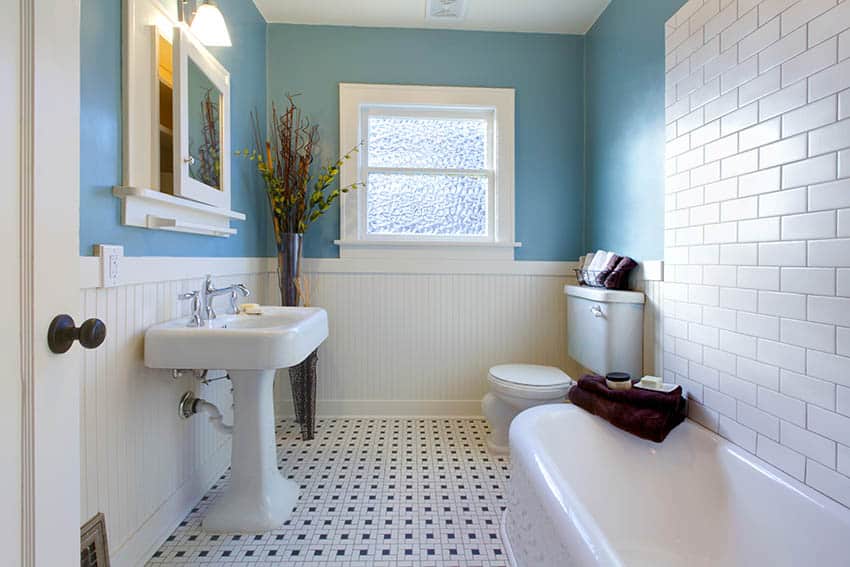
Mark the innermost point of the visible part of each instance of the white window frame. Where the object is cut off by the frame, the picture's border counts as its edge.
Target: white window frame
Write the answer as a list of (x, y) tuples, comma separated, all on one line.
[(358, 101)]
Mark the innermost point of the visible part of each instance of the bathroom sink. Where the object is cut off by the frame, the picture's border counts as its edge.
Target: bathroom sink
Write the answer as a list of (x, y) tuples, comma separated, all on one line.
[(280, 337), (250, 348)]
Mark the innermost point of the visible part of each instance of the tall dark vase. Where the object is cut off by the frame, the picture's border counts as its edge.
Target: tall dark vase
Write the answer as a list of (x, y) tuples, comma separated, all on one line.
[(289, 267), (302, 377)]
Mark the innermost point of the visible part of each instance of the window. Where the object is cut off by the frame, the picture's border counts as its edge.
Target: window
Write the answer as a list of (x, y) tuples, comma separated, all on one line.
[(437, 164)]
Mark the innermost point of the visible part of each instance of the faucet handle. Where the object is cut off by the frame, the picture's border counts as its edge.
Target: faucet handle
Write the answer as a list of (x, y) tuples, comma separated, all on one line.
[(235, 291), (195, 297)]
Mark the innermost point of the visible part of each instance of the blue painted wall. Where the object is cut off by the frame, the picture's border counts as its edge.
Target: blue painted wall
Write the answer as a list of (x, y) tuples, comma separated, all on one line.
[(100, 137), (625, 127), (546, 71), (590, 121)]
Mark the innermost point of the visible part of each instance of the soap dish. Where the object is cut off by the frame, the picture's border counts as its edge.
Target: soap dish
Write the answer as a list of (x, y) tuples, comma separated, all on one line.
[(664, 388)]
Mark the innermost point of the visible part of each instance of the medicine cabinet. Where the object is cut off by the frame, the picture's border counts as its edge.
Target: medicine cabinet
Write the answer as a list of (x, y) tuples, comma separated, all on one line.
[(176, 128)]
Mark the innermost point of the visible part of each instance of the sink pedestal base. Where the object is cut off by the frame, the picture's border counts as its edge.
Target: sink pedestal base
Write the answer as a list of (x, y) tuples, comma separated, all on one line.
[(259, 498)]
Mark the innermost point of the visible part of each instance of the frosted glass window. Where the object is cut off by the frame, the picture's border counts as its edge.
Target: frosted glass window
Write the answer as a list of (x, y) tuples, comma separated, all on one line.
[(427, 204), (435, 172), (426, 174), (433, 143)]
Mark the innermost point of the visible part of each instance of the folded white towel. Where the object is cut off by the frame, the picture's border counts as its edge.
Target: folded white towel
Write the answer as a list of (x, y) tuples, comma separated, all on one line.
[(600, 276), (598, 260)]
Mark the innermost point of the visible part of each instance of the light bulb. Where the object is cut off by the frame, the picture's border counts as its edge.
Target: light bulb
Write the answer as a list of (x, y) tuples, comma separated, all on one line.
[(209, 27)]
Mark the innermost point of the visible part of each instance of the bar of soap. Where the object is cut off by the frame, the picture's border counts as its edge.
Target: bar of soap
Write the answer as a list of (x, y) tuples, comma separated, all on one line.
[(251, 309), (651, 382)]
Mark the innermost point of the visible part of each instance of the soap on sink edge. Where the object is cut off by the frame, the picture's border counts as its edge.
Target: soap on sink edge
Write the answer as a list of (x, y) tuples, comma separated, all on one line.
[(251, 309)]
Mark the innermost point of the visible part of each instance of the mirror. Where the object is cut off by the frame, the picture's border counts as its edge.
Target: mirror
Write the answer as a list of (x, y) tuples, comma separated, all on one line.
[(201, 100), (204, 104)]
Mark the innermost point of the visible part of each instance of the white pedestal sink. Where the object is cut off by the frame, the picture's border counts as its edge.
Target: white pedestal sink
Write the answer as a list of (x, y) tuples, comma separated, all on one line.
[(251, 348)]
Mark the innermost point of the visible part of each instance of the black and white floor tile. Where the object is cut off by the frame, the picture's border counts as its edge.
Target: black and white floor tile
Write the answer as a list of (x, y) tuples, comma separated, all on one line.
[(375, 492)]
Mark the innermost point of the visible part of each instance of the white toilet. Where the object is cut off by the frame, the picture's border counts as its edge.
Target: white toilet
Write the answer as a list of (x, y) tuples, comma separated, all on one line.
[(605, 330), (516, 387)]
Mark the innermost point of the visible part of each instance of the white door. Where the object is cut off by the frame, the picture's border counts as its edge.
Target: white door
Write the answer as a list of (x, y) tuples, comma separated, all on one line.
[(39, 213)]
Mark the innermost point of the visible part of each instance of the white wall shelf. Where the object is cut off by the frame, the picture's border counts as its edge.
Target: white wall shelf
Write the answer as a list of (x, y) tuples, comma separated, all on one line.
[(146, 208)]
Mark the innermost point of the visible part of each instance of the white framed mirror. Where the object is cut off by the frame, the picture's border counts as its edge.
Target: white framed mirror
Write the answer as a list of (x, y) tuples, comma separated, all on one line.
[(176, 107), (201, 123)]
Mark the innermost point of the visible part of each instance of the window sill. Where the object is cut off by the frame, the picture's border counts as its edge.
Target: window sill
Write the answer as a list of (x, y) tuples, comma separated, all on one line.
[(408, 250), (146, 208)]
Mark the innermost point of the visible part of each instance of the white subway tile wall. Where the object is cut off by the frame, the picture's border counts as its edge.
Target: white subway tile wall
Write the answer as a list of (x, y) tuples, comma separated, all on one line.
[(756, 317)]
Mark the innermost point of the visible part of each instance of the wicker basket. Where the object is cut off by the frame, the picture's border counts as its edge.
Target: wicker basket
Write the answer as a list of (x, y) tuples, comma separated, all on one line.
[(588, 277)]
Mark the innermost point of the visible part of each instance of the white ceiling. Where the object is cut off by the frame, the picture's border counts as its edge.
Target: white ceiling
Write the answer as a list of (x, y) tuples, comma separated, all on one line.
[(545, 16)]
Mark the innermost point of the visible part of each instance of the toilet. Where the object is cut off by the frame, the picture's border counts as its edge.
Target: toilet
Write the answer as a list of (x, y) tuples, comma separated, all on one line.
[(517, 387), (605, 334)]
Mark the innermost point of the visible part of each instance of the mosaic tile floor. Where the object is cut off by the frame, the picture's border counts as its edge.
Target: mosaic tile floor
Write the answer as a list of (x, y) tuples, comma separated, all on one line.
[(376, 492)]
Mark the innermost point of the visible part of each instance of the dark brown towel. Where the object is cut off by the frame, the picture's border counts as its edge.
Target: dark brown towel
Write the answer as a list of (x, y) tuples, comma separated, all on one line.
[(652, 423), (620, 274), (607, 269), (636, 396)]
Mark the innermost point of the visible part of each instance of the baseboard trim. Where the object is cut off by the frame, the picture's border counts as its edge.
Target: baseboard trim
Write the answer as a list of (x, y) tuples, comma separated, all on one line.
[(139, 547), (388, 408)]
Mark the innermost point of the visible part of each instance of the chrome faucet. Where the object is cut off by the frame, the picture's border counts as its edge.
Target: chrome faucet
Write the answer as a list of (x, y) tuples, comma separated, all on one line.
[(202, 304)]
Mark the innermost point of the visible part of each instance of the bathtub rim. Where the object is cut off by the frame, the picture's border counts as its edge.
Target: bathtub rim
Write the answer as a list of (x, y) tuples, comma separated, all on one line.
[(506, 541), (830, 507)]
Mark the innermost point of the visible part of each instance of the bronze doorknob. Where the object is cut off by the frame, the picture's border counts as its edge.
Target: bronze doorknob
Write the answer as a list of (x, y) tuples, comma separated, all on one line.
[(63, 332)]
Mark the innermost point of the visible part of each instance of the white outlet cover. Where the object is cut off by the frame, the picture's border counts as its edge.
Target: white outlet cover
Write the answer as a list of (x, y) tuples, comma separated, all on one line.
[(441, 10), (110, 263)]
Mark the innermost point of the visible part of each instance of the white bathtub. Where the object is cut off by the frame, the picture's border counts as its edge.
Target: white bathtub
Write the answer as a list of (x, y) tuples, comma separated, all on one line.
[(585, 493)]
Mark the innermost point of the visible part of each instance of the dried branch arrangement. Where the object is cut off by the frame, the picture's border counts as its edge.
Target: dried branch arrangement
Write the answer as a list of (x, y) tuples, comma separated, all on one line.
[(285, 163)]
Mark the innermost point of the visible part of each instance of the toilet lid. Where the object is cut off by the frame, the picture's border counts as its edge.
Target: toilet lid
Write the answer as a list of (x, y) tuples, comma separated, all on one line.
[(530, 375)]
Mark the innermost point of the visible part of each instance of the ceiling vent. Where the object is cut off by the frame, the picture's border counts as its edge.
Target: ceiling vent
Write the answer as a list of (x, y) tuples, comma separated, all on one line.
[(446, 10)]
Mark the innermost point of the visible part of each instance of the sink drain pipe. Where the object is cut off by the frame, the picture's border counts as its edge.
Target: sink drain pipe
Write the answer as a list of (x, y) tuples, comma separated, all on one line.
[(190, 405)]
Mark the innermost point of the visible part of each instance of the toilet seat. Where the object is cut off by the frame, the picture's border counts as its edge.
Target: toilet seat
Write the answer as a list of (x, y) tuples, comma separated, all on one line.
[(531, 379)]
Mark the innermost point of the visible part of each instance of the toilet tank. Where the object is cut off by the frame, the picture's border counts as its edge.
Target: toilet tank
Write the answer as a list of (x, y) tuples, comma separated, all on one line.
[(605, 329)]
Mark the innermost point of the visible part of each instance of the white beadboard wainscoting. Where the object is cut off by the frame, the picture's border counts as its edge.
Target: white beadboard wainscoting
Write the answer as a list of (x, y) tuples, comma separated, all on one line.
[(405, 339), (418, 339), (142, 465), (421, 344), (648, 278)]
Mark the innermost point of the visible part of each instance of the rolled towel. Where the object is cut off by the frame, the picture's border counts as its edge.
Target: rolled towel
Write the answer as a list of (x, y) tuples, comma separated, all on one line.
[(645, 422), (663, 401), (598, 261), (620, 274), (611, 262)]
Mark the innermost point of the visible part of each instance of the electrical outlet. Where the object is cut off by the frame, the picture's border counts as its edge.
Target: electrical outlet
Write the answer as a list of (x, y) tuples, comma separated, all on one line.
[(110, 263)]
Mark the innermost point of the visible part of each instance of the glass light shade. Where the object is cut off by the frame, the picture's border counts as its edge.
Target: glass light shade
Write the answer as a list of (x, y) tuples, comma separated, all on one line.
[(209, 27)]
